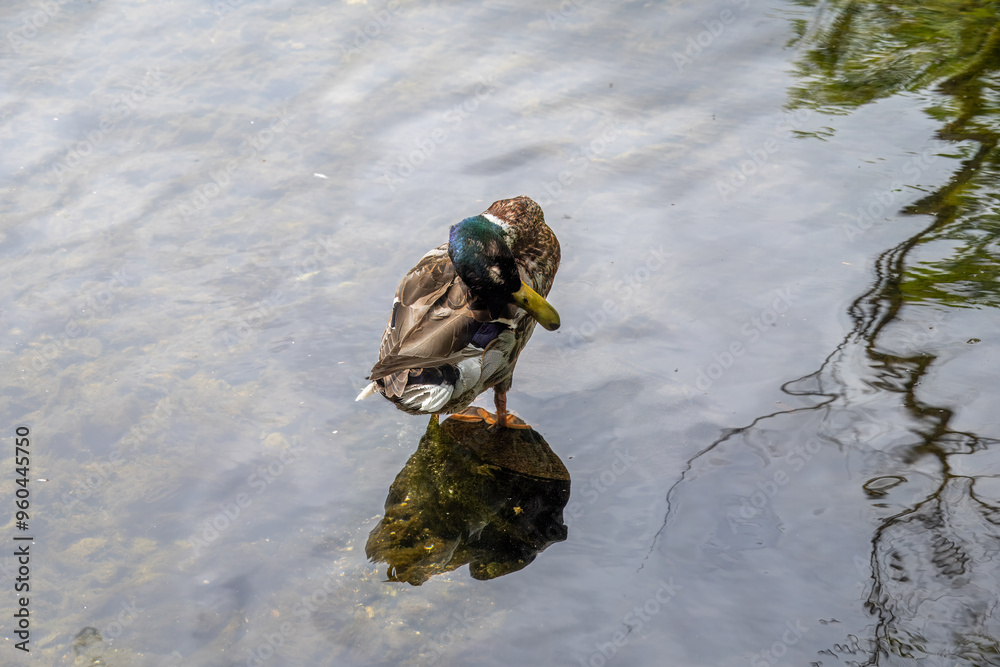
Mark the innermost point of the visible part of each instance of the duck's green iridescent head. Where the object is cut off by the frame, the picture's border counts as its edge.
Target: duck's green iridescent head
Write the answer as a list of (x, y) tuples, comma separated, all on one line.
[(484, 261)]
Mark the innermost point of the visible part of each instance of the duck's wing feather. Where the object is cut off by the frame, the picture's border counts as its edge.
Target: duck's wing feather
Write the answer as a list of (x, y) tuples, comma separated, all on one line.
[(431, 322)]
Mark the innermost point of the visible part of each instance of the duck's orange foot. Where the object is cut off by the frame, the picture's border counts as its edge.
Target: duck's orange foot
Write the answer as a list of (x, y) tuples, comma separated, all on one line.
[(476, 415), (473, 415), (509, 421)]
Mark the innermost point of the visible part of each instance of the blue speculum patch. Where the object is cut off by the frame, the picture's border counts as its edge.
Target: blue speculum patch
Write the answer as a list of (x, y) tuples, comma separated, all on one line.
[(487, 333)]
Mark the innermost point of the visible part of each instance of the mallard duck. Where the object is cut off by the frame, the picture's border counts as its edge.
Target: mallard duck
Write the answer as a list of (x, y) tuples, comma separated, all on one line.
[(463, 314)]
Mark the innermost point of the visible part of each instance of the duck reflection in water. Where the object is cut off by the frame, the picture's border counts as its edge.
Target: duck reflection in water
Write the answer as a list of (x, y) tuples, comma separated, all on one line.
[(492, 498)]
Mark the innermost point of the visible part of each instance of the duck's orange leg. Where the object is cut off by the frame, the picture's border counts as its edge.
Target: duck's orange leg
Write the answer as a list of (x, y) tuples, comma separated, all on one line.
[(504, 419)]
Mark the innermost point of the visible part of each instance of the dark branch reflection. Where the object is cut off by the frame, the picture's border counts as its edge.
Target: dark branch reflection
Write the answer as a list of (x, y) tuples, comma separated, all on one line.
[(934, 584), (492, 498), (934, 565)]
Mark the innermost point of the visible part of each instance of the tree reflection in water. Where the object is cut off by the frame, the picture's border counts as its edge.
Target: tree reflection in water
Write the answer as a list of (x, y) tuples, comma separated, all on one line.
[(934, 569), (933, 586)]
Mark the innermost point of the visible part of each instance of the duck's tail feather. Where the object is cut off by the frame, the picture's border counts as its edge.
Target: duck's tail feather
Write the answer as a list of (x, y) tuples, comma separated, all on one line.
[(367, 391)]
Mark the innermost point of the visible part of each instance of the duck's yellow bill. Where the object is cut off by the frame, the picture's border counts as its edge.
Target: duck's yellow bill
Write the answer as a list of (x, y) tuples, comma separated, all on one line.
[(537, 307)]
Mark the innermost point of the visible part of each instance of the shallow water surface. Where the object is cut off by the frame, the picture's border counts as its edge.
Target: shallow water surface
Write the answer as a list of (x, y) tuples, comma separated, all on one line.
[(772, 391)]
